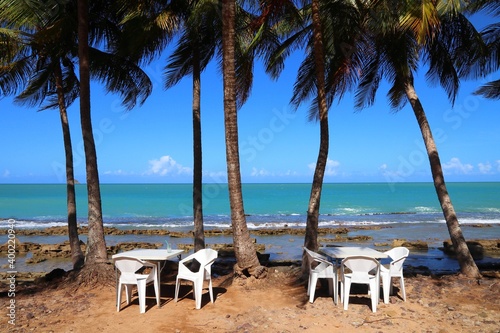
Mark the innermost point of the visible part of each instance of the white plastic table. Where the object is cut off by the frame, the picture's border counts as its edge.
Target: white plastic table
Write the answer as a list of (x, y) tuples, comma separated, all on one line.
[(340, 252), (156, 256)]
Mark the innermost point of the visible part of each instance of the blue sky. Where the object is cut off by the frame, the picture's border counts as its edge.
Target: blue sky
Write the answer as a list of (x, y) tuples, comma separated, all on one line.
[(153, 142)]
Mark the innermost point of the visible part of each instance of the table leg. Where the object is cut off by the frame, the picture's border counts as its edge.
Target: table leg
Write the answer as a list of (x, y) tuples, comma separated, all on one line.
[(158, 272)]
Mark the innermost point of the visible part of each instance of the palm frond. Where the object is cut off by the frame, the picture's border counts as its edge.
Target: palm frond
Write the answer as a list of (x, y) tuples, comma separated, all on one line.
[(489, 6), (368, 84), (121, 76), (442, 68), (490, 90), (305, 84), (491, 36), (39, 86), (15, 75), (420, 17), (180, 62)]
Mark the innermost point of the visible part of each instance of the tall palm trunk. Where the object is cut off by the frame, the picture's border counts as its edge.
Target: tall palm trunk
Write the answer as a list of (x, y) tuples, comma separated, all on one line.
[(311, 237), (244, 249), (77, 257), (465, 260), (199, 236), (96, 246)]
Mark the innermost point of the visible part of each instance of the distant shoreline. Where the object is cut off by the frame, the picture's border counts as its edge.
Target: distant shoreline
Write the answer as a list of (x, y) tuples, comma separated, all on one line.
[(280, 245)]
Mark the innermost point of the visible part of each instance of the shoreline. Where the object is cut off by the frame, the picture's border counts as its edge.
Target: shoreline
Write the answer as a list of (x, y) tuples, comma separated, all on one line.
[(428, 255)]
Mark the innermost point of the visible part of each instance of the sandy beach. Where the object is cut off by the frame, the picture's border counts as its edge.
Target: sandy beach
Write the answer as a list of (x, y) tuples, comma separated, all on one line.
[(437, 300), (449, 303)]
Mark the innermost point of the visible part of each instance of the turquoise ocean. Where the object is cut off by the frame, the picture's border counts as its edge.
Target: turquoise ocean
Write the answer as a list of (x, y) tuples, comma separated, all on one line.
[(403, 210)]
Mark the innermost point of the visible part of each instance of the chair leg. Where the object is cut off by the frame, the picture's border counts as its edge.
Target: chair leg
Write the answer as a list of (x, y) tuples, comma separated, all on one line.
[(128, 292), (333, 288), (157, 291), (309, 285), (402, 285), (118, 297), (141, 291), (177, 286), (347, 291), (210, 290), (312, 286), (386, 281), (198, 286), (374, 294), (341, 291)]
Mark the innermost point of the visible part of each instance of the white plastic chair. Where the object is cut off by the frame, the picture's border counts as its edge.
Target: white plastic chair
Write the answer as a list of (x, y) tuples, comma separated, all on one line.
[(129, 278), (321, 268), (360, 270), (205, 258), (394, 270)]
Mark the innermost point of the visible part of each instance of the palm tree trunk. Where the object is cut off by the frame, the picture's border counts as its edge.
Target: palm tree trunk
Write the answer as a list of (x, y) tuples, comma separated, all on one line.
[(311, 236), (77, 257), (244, 249), (199, 236), (467, 265), (96, 246)]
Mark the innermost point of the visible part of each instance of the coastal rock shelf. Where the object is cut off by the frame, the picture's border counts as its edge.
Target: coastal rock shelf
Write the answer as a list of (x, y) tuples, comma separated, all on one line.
[(163, 232)]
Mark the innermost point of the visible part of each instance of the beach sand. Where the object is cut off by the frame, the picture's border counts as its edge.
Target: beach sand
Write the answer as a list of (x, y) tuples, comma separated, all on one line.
[(448, 303)]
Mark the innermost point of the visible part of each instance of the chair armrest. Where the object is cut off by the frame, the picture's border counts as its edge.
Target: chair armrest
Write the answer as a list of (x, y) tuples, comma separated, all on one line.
[(325, 261), (148, 264), (398, 260)]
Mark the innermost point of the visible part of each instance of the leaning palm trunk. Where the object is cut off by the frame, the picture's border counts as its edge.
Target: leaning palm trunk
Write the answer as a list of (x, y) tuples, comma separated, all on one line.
[(311, 237), (465, 260), (199, 236), (247, 262), (96, 246), (77, 257)]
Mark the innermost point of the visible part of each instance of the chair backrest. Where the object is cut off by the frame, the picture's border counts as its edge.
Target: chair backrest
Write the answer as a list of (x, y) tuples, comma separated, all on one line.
[(314, 256), (398, 252), (198, 263), (398, 256), (129, 265), (205, 256), (361, 264)]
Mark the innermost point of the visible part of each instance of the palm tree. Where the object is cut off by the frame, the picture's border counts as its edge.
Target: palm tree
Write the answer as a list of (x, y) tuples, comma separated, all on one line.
[(198, 43), (195, 48), (246, 257), (434, 34), (327, 72), (27, 54), (149, 28), (127, 79), (41, 59), (96, 245)]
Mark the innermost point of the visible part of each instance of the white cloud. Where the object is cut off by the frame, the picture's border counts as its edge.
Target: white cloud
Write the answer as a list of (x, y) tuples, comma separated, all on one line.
[(166, 165), (485, 168), (259, 173), (331, 167), (390, 175), (457, 167), (498, 165), (266, 173), (118, 172), (6, 173), (290, 173)]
